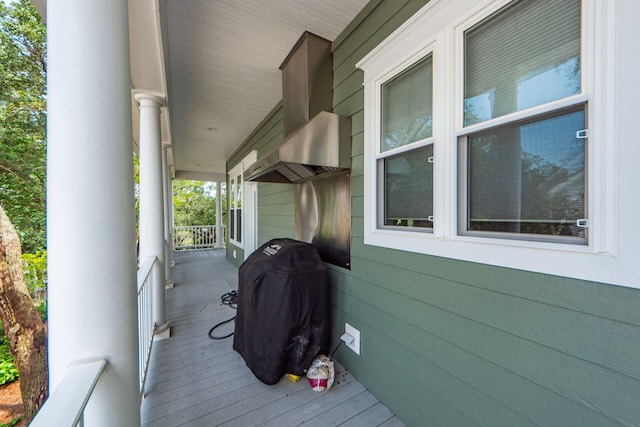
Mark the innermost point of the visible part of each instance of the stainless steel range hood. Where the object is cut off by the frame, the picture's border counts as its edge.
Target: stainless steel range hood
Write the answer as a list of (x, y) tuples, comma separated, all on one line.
[(316, 140), (316, 148)]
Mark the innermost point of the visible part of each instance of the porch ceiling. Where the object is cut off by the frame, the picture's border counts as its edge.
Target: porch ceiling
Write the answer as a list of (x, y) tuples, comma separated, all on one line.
[(216, 63)]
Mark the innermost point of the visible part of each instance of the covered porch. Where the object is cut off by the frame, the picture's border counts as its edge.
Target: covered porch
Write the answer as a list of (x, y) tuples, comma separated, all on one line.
[(118, 82), (196, 381)]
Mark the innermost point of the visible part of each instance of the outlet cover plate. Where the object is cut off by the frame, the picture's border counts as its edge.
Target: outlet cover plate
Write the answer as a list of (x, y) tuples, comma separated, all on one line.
[(355, 345)]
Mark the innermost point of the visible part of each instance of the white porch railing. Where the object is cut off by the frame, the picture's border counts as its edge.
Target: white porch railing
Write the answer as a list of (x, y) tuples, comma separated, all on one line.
[(197, 237), (65, 406), (145, 317)]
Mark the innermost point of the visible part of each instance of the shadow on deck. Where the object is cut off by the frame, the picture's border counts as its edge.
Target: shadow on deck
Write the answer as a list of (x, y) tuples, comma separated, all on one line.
[(196, 381)]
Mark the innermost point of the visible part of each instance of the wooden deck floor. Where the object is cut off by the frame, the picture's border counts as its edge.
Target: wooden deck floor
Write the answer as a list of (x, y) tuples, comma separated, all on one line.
[(196, 381)]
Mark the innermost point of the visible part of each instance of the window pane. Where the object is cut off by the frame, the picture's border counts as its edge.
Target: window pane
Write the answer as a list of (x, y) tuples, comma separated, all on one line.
[(232, 225), (408, 188), (239, 186), (233, 194), (407, 112), (239, 222), (525, 55), (529, 178)]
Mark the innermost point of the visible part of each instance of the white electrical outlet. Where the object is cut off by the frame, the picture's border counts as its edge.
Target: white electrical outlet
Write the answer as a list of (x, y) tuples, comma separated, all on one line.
[(355, 334)]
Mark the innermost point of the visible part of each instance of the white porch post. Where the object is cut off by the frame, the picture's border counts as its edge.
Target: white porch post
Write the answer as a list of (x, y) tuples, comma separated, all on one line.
[(152, 202), (168, 242), (90, 206), (219, 215), (172, 262)]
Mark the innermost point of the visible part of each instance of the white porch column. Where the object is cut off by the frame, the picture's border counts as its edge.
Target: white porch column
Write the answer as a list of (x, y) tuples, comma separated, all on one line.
[(168, 242), (152, 202), (172, 262), (90, 206), (219, 215)]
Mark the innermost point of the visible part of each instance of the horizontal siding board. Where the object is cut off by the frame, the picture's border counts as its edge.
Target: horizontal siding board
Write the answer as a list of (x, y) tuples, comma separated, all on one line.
[(357, 165), (268, 130), (357, 187), (381, 23), (350, 105), (357, 227), (384, 338), (609, 302), (346, 33), (270, 139), (581, 381), (276, 210), (278, 199), (269, 189), (344, 89), (277, 221), (539, 403), (403, 393), (357, 208), (369, 28), (357, 123), (268, 232), (440, 385), (350, 102), (357, 144), (565, 330)]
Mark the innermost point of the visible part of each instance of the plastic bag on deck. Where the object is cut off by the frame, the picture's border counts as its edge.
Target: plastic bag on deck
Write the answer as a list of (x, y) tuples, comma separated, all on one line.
[(321, 373)]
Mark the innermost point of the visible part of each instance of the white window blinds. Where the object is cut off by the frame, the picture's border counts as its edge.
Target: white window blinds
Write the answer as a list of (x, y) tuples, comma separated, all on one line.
[(528, 54)]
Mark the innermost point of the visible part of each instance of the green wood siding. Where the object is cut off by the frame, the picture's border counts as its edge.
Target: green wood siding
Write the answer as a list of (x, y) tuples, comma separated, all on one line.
[(453, 343), (276, 211)]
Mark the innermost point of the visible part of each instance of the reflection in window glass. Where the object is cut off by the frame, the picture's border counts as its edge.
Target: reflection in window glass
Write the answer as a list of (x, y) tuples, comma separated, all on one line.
[(239, 191), (526, 55), (529, 178), (408, 189), (407, 112)]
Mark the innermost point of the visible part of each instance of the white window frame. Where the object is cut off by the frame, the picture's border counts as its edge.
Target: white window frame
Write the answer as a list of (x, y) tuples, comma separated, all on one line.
[(238, 171), (381, 155), (439, 27)]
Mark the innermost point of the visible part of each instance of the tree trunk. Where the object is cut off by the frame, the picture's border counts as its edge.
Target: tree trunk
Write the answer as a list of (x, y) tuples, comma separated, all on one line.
[(22, 324)]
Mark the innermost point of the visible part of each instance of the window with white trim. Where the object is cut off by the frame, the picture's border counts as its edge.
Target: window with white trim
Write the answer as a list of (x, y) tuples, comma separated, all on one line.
[(523, 177), (236, 190), (405, 155), (522, 119), (235, 208)]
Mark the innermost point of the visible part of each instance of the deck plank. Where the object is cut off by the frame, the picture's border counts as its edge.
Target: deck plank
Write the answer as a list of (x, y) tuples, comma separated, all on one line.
[(196, 381)]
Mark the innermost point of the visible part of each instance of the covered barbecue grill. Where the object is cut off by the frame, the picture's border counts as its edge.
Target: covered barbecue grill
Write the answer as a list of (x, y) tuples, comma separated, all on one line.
[(282, 322)]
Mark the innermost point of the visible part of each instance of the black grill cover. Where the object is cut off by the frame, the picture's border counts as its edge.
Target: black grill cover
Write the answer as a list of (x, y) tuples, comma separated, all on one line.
[(282, 322)]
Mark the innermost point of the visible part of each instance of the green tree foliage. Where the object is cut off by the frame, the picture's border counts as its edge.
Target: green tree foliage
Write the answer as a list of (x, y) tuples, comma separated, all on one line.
[(195, 203), (23, 121), (35, 274)]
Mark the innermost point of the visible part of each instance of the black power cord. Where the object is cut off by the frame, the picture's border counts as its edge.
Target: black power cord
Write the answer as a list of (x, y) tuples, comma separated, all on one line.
[(230, 299), (336, 349)]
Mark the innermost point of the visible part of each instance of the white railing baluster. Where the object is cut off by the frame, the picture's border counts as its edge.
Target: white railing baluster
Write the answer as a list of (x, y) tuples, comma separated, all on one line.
[(65, 405), (196, 236), (145, 317)]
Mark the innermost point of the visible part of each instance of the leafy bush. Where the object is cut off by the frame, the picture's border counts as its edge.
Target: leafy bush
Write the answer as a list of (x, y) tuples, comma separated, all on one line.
[(8, 372), (35, 274), (42, 311), (13, 422), (5, 351)]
